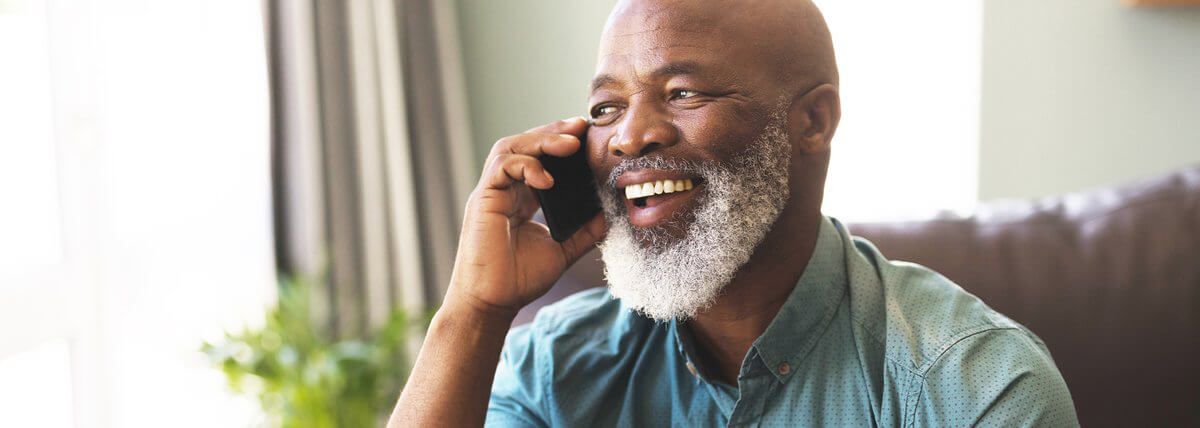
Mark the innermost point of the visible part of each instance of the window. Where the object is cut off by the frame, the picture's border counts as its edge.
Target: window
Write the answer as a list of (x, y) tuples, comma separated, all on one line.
[(908, 141), (134, 178), (29, 221)]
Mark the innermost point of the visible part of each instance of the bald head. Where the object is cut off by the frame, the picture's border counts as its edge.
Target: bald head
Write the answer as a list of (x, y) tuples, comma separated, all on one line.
[(787, 39)]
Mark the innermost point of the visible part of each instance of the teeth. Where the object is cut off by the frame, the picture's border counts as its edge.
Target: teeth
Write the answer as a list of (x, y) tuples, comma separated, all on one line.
[(651, 188)]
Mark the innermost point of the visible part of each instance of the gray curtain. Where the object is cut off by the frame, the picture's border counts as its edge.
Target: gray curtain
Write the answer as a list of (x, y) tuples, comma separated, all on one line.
[(371, 160)]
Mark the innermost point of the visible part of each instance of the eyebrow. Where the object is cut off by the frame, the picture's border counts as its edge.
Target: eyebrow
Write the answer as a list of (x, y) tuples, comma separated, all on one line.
[(668, 70)]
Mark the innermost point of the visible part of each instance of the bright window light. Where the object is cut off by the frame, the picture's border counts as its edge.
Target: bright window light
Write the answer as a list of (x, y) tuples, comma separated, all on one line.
[(907, 146), (36, 391), (135, 185), (29, 221), (186, 143)]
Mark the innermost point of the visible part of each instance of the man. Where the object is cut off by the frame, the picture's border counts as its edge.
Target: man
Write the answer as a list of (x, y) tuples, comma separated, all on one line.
[(731, 299)]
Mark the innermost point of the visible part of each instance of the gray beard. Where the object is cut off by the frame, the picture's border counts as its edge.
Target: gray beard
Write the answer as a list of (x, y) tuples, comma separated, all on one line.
[(664, 277)]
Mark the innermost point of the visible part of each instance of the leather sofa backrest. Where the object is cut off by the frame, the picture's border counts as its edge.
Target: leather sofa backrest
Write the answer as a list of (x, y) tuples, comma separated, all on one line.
[(1109, 279)]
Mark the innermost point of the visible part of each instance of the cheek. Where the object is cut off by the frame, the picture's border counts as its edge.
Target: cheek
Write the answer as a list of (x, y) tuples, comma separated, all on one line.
[(721, 131), (597, 150), (597, 142)]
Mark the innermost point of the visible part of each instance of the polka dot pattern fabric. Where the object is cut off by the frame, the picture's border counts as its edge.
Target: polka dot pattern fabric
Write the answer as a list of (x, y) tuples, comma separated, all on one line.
[(861, 341)]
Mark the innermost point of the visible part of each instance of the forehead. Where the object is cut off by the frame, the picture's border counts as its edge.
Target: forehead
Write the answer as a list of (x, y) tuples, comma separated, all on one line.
[(628, 31), (645, 39)]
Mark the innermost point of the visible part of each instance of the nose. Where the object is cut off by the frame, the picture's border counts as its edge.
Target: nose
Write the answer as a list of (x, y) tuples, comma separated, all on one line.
[(643, 129)]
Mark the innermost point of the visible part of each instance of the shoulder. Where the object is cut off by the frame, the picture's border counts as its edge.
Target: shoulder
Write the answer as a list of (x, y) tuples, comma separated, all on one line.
[(588, 325), (924, 314), (579, 312), (970, 363), (572, 347), (593, 315), (998, 377)]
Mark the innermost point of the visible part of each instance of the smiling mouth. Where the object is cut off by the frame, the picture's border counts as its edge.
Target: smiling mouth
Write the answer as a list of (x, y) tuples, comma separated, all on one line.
[(639, 194)]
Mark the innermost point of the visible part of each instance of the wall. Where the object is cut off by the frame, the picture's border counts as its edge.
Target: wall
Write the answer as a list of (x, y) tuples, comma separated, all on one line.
[(510, 47), (1080, 93), (527, 62), (1075, 93)]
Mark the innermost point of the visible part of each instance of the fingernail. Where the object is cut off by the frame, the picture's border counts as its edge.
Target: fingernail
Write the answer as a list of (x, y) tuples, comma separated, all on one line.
[(548, 176)]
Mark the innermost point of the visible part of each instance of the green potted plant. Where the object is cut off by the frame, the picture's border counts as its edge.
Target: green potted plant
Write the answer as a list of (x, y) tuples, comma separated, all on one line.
[(305, 378)]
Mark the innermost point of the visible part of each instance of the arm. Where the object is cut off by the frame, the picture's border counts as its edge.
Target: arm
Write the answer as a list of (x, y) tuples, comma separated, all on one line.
[(504, 261), (1034, 400), (452, 377)]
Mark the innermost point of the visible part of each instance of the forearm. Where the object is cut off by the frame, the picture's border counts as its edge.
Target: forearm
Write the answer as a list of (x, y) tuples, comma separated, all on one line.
[(452, 378), (451, 381)]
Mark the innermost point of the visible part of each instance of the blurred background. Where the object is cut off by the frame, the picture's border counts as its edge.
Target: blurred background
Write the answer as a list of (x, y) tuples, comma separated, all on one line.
[(166, 165)]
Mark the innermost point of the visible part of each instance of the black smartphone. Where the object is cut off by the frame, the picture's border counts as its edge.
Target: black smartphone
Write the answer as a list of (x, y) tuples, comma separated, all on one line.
[(572, 201)]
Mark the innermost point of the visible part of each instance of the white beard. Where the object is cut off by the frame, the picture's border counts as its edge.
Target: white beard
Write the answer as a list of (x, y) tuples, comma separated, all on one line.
[(667, 278)]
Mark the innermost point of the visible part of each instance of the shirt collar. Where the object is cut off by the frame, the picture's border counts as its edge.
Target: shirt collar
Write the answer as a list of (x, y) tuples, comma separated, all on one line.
[(810, 307), (806, 313)]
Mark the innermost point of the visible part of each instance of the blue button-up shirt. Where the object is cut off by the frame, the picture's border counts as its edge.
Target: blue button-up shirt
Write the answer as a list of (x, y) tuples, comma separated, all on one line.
[(861, 341)]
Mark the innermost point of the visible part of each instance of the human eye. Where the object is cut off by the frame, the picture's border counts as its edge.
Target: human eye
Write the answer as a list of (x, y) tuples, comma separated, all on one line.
[(603, 114), (683, 94)]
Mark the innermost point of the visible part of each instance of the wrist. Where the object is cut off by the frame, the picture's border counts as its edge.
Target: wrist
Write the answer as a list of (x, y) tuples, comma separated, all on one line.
[(474, 312)]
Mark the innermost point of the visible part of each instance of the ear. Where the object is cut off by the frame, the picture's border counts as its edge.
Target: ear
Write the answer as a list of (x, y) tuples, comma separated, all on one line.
[(813, 118)]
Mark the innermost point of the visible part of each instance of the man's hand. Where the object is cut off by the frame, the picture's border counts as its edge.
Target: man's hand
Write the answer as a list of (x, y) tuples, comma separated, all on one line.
[(504, 261)]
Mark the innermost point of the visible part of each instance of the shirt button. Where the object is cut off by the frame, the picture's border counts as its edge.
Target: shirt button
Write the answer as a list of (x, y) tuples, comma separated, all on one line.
[(784, 368), (692, 368)]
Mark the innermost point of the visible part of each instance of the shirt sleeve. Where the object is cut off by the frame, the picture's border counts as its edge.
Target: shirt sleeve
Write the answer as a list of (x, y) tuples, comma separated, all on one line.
[(1003, 378), (517, 391)]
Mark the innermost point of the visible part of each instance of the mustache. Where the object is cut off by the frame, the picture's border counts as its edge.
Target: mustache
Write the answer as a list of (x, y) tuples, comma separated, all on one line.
[(656, 163)]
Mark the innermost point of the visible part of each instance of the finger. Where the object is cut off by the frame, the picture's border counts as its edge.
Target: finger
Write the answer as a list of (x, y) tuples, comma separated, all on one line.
[(585, 238), (573, 126), (537, 144), (507, 169)]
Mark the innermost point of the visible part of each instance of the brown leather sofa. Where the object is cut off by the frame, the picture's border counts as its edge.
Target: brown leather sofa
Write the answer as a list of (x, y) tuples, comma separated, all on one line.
[(1109, 279)]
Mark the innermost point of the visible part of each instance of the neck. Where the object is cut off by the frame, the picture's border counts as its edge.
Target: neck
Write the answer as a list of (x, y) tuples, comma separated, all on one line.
[(725, 332)]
